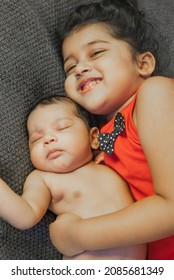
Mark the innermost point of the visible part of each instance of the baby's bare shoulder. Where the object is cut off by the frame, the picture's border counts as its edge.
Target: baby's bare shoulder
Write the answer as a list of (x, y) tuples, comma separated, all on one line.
[(106, 170)]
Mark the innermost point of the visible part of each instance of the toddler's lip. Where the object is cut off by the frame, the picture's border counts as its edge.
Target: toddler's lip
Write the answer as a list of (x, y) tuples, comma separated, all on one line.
[(88, 84)]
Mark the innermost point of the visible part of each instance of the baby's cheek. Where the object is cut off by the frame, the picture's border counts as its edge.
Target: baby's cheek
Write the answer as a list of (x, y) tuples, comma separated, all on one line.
[(36, 157)]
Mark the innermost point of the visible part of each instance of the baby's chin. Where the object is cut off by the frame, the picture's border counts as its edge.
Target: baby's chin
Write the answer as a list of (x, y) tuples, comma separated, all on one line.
[(58, 169), (61, 167)]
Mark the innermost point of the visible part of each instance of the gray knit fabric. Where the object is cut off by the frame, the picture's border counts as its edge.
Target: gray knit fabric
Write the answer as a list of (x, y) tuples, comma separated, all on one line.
[(30, 69)]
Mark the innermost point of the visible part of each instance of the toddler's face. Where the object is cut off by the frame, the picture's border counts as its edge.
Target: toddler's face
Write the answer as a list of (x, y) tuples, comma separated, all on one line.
[(59, 141), (101, 72)]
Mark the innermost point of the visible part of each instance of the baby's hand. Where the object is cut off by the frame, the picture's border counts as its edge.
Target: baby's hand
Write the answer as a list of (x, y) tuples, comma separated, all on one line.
[(64, 234), (99, 158)]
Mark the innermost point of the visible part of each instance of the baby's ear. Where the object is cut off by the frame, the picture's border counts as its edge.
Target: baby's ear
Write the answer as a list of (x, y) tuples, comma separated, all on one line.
[(94, 131), (146, 64)]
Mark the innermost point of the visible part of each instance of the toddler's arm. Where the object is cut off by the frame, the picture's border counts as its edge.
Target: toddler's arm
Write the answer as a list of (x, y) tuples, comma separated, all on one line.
[(25, 211), (151, 218)]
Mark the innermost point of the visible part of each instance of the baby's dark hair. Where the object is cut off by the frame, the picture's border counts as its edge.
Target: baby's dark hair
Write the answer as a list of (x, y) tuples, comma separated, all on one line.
[(124, 20), (54, 99)]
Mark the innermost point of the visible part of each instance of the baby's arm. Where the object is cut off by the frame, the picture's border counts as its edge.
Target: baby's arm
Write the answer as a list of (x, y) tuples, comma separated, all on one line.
[(27, 210)]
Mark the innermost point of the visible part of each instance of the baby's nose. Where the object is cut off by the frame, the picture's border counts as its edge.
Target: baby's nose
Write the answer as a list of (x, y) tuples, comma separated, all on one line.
[(50, 139)]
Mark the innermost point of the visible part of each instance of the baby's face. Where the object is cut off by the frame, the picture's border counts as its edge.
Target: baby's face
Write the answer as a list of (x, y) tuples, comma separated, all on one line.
[(59, 141)]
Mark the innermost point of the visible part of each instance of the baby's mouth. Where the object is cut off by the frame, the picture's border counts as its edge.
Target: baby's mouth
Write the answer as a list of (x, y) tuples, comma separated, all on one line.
[(54, 153), (89, 84)]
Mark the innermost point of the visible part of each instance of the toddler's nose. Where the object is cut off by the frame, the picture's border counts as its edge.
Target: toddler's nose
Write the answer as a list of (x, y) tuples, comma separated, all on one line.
[(82, 68)]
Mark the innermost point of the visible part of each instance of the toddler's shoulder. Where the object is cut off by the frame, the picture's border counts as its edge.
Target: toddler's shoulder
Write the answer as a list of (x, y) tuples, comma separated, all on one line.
[(156, 94), (157, 84), (156, 88)]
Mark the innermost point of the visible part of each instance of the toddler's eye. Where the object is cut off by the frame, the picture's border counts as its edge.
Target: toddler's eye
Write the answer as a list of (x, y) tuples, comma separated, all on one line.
[(70, 69), (97, 53)]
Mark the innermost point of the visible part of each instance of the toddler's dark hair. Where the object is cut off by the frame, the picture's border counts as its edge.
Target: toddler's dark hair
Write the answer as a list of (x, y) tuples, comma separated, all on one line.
[(124, 20)]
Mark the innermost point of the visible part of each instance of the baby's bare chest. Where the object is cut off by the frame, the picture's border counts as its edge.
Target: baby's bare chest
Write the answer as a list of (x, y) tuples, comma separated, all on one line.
[(86, 198)]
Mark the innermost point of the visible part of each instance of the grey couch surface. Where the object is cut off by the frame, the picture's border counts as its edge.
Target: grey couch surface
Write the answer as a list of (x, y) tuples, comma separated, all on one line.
[(30, 68)]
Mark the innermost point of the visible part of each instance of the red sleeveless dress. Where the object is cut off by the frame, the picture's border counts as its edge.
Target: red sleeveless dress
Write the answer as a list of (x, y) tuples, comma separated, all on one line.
[(130, 162)]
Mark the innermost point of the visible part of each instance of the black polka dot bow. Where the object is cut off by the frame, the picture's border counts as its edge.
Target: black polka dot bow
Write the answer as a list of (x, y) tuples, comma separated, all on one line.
[(107, 140)]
